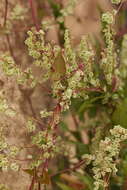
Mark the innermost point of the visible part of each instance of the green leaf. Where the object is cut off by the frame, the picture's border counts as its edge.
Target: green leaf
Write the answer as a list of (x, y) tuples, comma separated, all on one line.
[(29, 171), (119, 116), (58, 67), (55, 7), (76, 103), (87, 105), (76, 134), (63, 126), (92, 112), (63, 186), (84, 106), (81, 149)]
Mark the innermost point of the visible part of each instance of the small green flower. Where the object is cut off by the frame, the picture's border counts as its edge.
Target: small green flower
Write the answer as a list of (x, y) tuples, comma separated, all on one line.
[(10, 112), (14, 167), (107, 18), (115, 1), (14, 150), (44, 113), (3, 145), (18, 12), (31, 125)]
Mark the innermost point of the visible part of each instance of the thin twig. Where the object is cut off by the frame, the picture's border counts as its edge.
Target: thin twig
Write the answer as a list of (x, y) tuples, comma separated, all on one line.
[(33, 180)]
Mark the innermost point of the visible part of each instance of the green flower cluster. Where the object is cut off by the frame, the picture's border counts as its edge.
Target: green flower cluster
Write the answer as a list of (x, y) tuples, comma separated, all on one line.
[(13, 151), (47, 24), (44, 113), (70, 56), (4, 163), (87, 55), (4, 108), (73, 70), (7, 152), (14, 166), (47, 143), (108, 62), (3, 144), (18, 13), (31, 126), (123, 56), (11, 69), (105, 158), (41, 52), (107, 18), (96, 139)]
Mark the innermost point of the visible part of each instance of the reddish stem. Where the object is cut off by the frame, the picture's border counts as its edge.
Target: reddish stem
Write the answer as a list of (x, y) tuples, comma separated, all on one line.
[(53, 124), (10, 48), (91, 89), (75, 120), (22, 160), (39, 186), (34, 15), (6, 11), (32, 183), (80, 163), (114, 84)]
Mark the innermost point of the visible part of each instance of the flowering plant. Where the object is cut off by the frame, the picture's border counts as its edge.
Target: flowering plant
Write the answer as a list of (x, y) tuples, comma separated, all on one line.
[(85, 82)]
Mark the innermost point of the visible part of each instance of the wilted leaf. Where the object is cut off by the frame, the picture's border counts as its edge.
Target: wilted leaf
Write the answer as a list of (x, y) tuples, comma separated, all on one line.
[(45, 178), (58, 67), (29, 171)]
